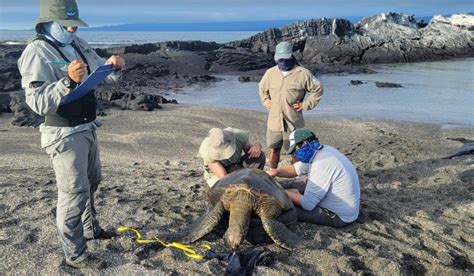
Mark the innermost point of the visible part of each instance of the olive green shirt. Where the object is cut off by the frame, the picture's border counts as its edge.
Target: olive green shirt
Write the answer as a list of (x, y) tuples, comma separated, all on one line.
[(284, 91), (241, 139)]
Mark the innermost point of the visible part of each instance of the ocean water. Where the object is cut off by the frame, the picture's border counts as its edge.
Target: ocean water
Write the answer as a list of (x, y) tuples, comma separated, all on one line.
[(440, 92), (109, 39)]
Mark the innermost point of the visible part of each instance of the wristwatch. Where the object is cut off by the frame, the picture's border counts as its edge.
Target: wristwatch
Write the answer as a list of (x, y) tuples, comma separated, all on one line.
[(69, 83)]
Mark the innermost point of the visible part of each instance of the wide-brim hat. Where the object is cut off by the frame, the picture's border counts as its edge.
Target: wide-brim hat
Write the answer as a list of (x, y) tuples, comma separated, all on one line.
[(63, 12), (221, 143)]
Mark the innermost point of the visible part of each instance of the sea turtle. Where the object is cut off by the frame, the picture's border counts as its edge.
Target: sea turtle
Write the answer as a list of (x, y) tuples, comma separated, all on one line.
[(244, 193)]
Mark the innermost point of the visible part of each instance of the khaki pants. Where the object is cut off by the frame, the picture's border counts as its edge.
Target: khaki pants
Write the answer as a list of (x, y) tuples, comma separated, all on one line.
[(77, 167)]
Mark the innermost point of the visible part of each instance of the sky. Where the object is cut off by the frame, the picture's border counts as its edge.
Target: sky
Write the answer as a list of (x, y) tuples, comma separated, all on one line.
[(21, 14)]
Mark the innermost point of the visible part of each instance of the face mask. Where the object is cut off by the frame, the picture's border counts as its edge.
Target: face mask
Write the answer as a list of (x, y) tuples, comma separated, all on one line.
[(285, 64), (59, 33), (307, 151)]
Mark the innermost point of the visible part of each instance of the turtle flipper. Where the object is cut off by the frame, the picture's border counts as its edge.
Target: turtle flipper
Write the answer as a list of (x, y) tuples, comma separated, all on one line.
[(280, 234), (199, 228)]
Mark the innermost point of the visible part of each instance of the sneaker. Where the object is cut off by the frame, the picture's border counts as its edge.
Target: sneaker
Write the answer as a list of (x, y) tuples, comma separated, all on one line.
[(89, 262), (104, 235)]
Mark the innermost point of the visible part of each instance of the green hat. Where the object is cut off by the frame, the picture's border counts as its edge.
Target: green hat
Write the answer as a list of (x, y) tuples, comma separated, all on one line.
[(283, 50), (63, 12), (297, 136)]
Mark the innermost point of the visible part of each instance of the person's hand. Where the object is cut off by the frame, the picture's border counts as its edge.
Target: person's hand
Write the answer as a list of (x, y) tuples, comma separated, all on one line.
[(298, 106), (117, 62), (76, 70), (272, 172), (268, 104), (255, 151)]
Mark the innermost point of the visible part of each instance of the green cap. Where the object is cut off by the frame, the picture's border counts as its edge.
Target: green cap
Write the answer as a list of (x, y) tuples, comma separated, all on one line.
[(63, 12), (283, 50), (297, 136)]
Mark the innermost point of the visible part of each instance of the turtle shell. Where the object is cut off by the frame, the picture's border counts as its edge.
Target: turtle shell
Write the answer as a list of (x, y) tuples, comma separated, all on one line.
[(260, 184)]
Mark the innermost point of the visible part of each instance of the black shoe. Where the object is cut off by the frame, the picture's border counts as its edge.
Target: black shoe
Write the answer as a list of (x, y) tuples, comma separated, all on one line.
[(104, 235), (89, 262)]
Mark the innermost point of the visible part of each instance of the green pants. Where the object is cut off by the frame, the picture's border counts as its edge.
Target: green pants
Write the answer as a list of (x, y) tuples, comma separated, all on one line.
[(77, 167)]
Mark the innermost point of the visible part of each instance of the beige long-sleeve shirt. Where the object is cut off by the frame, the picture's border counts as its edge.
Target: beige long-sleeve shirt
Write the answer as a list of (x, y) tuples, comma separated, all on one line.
[(284, 91)]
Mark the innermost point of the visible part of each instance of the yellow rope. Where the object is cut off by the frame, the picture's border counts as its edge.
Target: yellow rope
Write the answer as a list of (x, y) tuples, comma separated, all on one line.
[(187, 250)]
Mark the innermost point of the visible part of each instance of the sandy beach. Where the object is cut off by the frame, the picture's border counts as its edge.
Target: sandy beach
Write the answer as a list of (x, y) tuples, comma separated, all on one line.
[(416, 207)]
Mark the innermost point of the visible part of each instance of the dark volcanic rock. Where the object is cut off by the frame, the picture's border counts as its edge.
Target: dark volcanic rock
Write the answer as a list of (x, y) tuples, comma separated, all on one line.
[(139, 102), (250, 78), (231, 59), (382, 38), (148, 48), (297, 33), (22, 113), (387, 84), (5, 103), (356, 82)]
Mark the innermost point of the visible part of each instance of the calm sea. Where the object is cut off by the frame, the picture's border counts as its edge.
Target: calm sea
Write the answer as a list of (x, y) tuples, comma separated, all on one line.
[(439, 92), (108, 39)]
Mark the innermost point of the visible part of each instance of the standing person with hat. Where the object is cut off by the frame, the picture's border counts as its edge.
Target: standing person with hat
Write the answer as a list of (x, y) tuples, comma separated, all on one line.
[(282, 91), (330, 195), (226, 150), (51, 66)]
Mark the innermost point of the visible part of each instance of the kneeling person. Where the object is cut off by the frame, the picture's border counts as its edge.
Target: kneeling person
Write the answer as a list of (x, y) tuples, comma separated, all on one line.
[(331, 194), (226, 150)]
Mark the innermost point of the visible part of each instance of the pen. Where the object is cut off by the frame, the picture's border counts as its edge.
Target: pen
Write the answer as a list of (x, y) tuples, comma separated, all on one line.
[(58, 62)]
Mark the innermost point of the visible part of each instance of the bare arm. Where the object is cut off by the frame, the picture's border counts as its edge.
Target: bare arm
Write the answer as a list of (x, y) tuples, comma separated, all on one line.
[(294, 196), (217, 169), (287, 171)]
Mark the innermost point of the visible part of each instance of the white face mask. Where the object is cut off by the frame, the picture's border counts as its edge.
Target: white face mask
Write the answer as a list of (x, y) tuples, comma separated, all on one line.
[(59, 33)]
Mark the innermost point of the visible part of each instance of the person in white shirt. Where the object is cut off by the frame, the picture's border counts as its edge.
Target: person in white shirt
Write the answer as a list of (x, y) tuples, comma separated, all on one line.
[(331, 194)]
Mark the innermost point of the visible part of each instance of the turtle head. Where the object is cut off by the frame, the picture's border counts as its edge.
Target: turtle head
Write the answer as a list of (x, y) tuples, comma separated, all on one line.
[(239, 218), (234, 235)]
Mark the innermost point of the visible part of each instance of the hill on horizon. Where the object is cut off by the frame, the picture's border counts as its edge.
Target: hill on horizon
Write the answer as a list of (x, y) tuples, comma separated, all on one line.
[(216, 26)]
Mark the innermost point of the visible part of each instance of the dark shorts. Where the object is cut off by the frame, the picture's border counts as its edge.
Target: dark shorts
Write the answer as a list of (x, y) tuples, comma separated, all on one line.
[(277, 139)]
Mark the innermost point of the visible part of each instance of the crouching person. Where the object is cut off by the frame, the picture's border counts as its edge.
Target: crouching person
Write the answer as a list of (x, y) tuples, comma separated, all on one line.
[(330, 194), (226, 150)]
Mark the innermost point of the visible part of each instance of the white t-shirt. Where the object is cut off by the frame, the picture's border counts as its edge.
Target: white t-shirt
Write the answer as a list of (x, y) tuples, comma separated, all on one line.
[(332, 184)]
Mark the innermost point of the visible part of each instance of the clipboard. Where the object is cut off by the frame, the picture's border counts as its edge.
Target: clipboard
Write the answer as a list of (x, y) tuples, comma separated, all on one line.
[(89, 84)]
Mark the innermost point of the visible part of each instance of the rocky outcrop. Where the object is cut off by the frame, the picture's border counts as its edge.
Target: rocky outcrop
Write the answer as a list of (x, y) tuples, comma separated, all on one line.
[(148, 48), (230, 59), (297, 33), (383, 38)]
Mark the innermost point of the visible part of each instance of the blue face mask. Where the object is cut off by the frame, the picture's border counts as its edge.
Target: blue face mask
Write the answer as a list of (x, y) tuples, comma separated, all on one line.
[(286, 64), (58, 33), (307, 151)]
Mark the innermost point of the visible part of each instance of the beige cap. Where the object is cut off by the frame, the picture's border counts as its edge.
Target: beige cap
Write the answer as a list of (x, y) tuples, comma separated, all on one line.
[(221, 143)]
